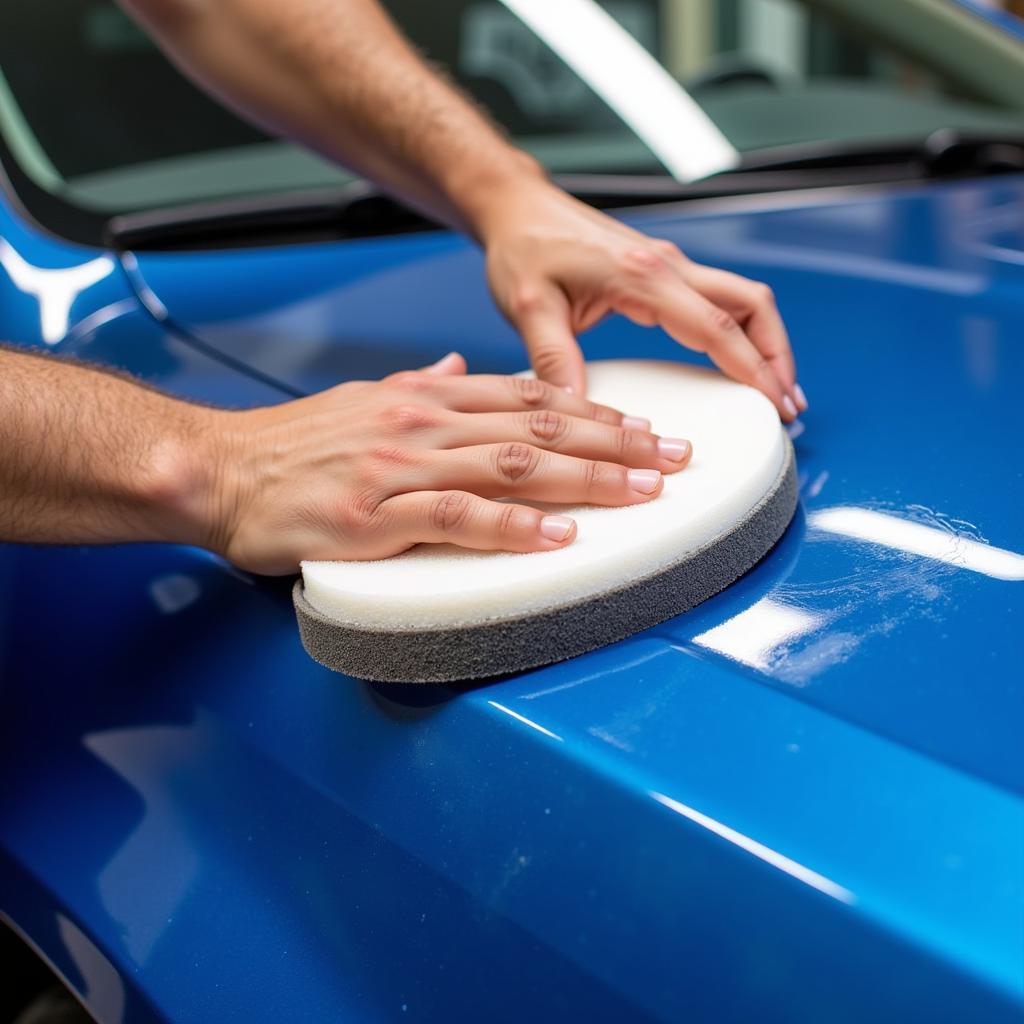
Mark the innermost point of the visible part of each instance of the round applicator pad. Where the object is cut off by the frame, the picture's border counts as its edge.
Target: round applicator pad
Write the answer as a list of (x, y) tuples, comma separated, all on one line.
[(440, 613)]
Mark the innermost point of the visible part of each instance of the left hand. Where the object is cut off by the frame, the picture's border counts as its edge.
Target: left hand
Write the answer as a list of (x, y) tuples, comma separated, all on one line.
[(556, 267)]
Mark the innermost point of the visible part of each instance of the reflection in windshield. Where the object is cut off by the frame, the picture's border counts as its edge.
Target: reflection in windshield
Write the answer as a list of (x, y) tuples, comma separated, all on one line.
[(632, 83)]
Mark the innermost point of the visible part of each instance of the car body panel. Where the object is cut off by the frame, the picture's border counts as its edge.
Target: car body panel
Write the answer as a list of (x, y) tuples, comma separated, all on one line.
[(804, 799), (902, 304)]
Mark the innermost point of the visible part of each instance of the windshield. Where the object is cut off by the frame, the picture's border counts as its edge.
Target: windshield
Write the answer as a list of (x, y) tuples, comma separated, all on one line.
[(92, 113)]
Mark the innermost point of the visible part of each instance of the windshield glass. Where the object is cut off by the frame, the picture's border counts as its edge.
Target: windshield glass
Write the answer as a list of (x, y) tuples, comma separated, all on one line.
[(91, 112)]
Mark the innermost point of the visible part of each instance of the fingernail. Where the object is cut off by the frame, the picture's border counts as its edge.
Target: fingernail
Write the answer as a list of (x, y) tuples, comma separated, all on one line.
[(556, 527), (787, 404), (643, 480), (635, 423), (568, 390), (674, 449), (801, 398)]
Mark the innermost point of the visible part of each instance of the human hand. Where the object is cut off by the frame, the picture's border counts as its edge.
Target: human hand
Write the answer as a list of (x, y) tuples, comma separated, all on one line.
[(368, 469), (556, 267)]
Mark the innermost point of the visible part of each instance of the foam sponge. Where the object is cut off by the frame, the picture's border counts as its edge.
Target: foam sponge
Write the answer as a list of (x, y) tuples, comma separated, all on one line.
[(438, 613)]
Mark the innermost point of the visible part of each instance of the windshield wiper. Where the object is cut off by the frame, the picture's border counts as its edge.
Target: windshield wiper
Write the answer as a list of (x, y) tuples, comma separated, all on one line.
[(943, 154), (355, 210), (360, 210)]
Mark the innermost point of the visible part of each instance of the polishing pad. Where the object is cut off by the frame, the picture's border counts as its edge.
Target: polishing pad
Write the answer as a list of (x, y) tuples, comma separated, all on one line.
[(439, 613)]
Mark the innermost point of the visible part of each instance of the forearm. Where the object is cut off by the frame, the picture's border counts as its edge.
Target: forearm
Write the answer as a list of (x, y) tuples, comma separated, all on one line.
[(337, 75), (89, 456)]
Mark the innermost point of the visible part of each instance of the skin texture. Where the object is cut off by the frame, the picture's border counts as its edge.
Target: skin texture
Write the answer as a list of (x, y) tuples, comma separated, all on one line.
[(367, 469), (337, 75), (363, 470)]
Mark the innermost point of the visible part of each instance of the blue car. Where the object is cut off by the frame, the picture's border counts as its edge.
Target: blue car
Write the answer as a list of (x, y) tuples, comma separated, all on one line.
[(802, 801)]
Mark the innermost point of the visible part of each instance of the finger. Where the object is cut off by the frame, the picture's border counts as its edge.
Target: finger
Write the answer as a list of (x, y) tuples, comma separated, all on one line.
[(453, 364), (492, 393), (695, 322), (521, 470), (456, 517), (541, 315), (753, 305), (569, 435)]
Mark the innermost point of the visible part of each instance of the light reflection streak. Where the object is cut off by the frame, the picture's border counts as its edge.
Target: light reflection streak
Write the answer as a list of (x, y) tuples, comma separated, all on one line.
[(94, 321), (756, 635), (765, 853), (525, 720), (632, 83), (918, 539), (54, 289)]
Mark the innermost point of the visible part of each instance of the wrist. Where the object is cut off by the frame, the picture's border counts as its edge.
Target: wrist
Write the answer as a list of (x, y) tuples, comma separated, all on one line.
[(187, 493), (483, 195)]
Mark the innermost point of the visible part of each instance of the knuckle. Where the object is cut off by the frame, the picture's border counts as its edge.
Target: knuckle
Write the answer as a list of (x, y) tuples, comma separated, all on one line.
[(507, 520), (595, 475), (408, 418), (411, 380), (548, 360), (526, 301), (628, 445), (388, 455), (763, 294), (666, 249), (722, 321), (359, 511), (516, 461), (532, 392), (642, 263), (600, 413), (546, 425), (449, 511)]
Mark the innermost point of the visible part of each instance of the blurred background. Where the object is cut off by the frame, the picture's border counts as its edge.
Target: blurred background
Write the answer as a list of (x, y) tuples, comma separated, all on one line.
[(769, 73)]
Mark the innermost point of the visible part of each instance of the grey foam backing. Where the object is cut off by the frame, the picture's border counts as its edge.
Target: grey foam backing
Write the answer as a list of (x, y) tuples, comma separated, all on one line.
[(498, 647)]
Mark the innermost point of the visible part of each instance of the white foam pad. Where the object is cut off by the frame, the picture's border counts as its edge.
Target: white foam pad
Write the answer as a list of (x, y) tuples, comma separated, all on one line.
[(738, 451)]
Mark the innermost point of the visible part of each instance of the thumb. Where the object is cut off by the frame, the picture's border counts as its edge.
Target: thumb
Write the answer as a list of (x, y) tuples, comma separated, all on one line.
[(553, 349), (451, 365)]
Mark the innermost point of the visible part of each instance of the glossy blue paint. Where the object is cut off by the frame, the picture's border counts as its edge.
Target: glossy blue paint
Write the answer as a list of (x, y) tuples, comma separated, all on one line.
[(802, 801)]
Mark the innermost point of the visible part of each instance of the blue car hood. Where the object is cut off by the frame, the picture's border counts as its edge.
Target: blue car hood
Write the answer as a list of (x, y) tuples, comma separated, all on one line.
[(804, 796), (890, 601)]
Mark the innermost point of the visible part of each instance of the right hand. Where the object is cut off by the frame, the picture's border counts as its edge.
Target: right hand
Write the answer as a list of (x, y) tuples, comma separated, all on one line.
[(368, 469)]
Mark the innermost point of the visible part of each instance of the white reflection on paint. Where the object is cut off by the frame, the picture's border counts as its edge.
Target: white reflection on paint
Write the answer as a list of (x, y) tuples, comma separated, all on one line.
[(768, 855), (146, 295), (150, 874), (102, 988), (54, 289), (174, 592), (618, 666), (632, 83), (94, 321), (526, 721), (758, 635), (943, 545)]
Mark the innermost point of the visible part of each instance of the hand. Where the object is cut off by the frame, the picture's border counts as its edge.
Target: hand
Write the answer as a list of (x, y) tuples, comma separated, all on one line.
[(557, 267), (368, 469)]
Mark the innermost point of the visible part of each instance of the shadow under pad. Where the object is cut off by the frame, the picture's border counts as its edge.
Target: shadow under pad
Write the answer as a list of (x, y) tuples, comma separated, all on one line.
[(499, 646)]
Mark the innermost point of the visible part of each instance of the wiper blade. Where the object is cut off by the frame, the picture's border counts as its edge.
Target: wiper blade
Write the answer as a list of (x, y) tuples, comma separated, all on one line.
[(355, 210), (943, 154), (360, 210)]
